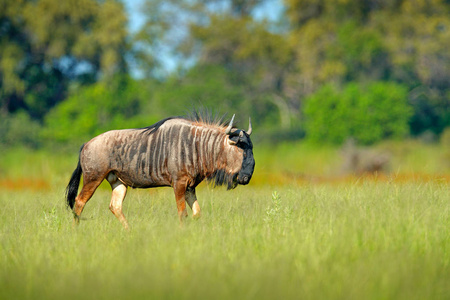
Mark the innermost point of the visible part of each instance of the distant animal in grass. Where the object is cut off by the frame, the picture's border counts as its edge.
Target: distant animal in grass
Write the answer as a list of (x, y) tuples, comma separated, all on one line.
[(363, 160), (178, 151)]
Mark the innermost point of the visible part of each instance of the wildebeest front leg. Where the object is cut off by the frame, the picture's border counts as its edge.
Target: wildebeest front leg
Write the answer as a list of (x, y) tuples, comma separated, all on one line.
[(119, 191), (191, 199), (179, 188)]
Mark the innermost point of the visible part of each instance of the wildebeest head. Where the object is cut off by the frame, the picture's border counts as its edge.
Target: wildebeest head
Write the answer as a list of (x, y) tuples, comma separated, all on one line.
[(241, 139)]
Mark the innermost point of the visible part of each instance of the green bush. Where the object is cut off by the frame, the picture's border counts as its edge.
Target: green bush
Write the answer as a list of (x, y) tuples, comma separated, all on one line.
[(368, 113), (19, 129), (96, 109)]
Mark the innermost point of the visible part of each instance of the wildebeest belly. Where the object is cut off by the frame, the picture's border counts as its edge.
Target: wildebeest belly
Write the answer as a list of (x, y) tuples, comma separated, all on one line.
[(139, 182), (138, 173)]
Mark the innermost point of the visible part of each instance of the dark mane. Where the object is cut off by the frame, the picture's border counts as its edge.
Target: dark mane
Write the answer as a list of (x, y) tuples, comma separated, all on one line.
[(221, 177), (155, 127), (202, 115), (206, 116)]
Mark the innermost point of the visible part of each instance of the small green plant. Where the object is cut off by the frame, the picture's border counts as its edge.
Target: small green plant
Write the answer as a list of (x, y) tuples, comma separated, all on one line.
[(276, 213), (273, 211), (51, 219)]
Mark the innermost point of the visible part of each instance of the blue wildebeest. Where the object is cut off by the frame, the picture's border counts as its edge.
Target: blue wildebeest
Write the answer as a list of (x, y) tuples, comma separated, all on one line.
[(178, 151)]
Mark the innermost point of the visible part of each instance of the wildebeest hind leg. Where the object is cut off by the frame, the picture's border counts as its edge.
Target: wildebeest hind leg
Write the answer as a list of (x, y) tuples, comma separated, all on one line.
[(191, 199), (83, 197), (119, 191)]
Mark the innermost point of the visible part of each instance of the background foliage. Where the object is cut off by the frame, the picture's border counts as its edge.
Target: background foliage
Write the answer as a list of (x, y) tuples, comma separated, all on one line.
[(366, 113), (371, 69), (47, 47)]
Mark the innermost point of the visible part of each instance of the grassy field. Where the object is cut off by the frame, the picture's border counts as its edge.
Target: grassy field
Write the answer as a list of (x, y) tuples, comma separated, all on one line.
[(361, 240), (358, 238)]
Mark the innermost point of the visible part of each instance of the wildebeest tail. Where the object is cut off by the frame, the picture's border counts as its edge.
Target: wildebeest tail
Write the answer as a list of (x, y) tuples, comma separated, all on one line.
[(72, 187)]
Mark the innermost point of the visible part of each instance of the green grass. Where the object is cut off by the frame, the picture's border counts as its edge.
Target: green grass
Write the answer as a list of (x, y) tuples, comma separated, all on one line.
[(384, 237), (359, 240)]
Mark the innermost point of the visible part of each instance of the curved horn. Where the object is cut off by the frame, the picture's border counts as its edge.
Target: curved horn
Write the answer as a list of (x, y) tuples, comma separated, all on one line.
[(249, 131), (228, 130)]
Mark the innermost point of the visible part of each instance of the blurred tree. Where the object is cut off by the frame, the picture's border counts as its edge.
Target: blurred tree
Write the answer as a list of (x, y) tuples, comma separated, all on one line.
[(48, 45), (341, 41), (417, 37), (258, 57), (336, 41), (209, 86), (224, 35), (230, 60)]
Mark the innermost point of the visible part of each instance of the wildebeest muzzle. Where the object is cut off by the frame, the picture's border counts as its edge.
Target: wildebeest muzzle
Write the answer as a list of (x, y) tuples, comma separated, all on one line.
[(244, 179), (248, 166)]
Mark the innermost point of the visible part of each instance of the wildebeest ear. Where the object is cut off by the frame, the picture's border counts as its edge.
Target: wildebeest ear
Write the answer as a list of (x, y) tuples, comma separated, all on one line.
[(231, 142)]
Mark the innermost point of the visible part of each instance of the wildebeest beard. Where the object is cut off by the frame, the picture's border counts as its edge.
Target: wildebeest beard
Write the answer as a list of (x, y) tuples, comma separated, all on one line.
[(221, 177)]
